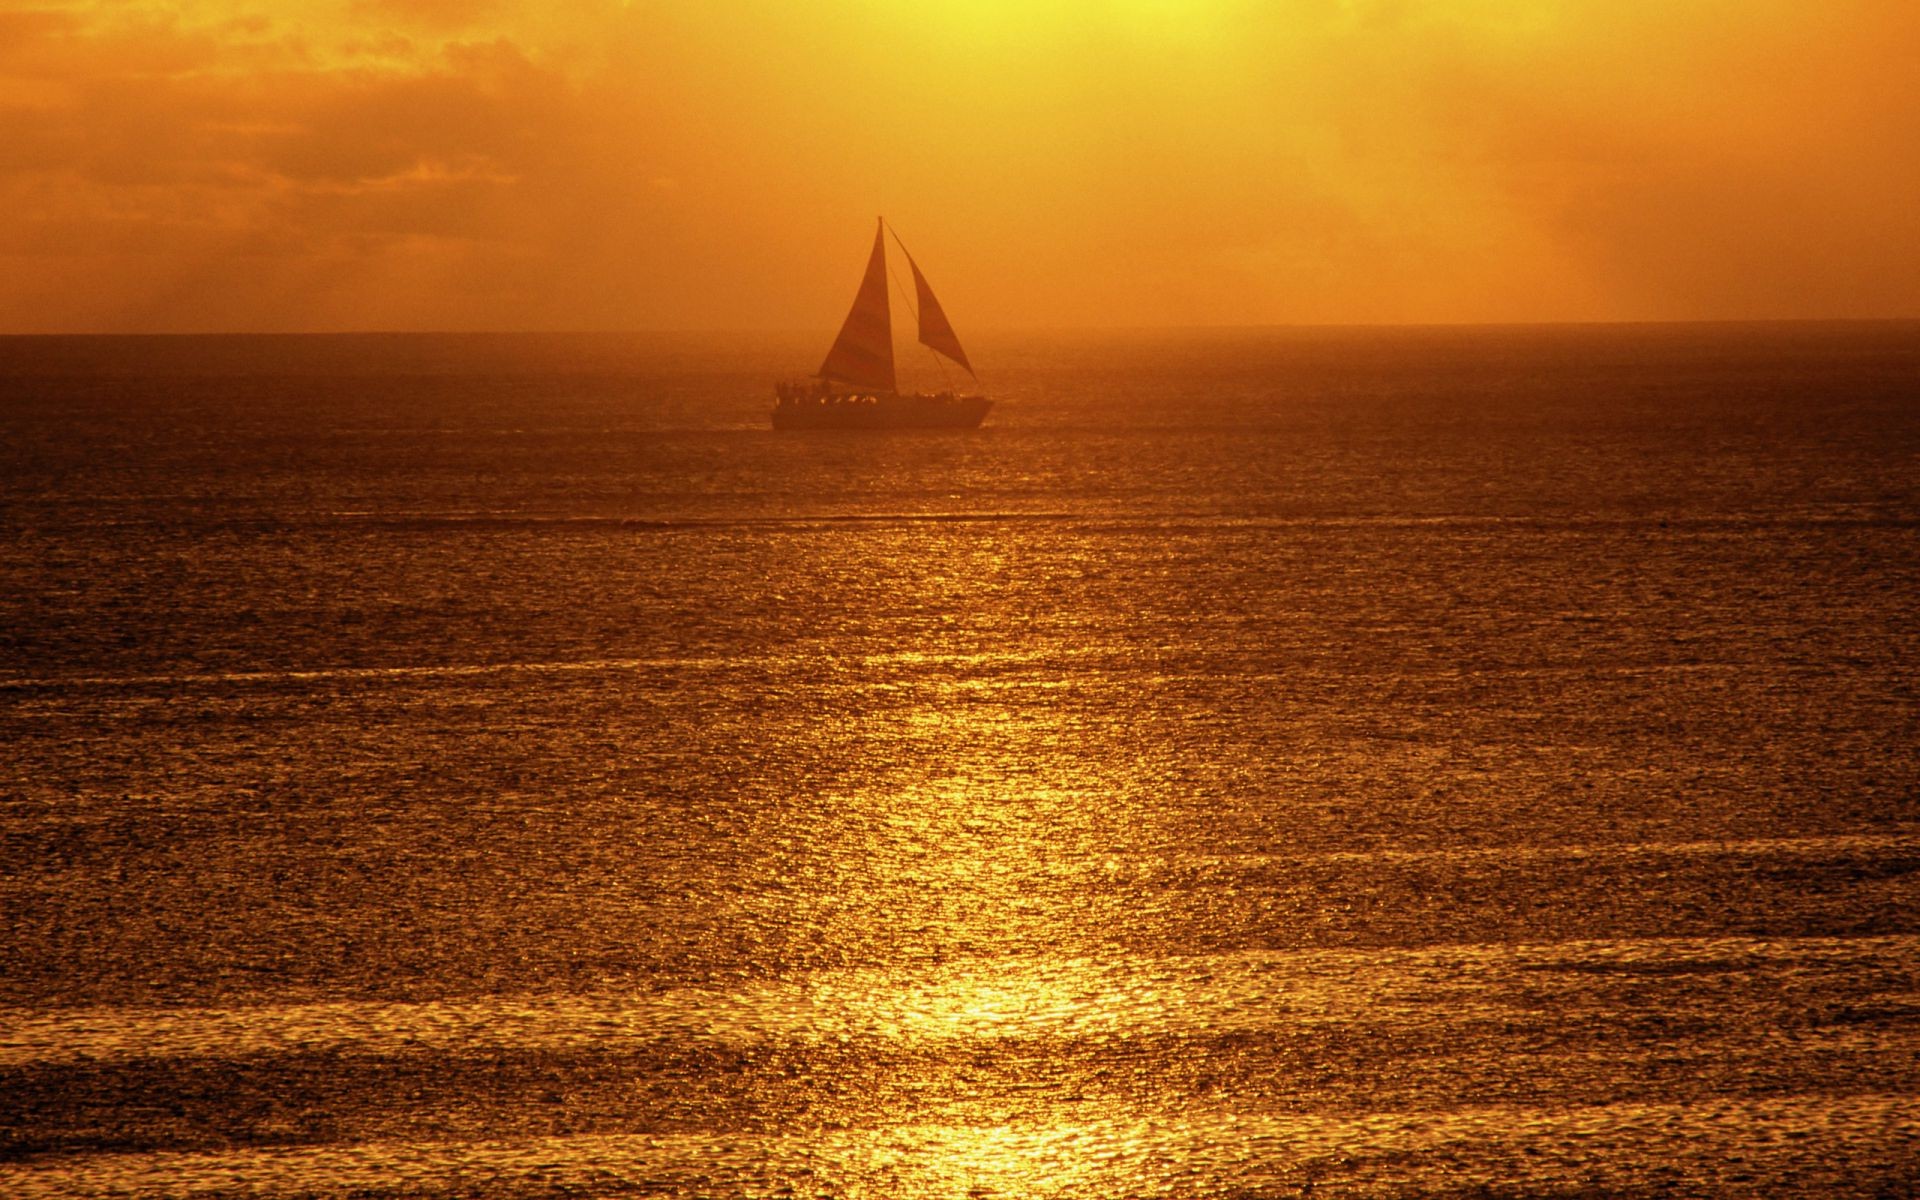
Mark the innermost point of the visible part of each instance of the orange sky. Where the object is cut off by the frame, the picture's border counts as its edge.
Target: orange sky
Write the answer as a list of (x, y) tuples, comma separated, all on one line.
[(201, 165)]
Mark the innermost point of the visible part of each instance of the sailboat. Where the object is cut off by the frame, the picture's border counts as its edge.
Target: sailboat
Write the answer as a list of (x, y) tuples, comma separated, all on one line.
[(855, 387)]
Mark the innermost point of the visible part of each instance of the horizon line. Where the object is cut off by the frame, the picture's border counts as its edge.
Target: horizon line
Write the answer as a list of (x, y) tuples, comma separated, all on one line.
[(1199, 327)]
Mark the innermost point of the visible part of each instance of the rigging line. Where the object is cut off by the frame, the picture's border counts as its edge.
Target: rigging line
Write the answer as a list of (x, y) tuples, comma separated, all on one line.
[(895, 275), (906, 298), (912, 307), (896, 237), (939, 360)]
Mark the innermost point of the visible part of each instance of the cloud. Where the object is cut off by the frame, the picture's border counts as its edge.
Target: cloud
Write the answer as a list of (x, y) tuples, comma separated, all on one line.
[(174, 158)]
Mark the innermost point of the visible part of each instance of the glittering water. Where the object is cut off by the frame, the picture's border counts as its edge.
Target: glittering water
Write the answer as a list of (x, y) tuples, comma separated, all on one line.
[(1396, 763)]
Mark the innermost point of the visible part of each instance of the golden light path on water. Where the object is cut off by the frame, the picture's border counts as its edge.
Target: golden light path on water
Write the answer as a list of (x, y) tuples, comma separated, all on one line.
[(954, 851), (965, 854)]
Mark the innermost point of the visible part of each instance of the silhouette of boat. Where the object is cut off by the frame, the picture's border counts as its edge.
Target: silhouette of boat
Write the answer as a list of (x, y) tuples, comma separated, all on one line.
[(855, 387)]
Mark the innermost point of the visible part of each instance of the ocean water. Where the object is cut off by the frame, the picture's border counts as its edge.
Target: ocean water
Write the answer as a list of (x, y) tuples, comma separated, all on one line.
[(1393, 763)]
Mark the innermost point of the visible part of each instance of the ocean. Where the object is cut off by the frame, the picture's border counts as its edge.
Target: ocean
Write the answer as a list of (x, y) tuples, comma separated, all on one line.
[(1448, 762)]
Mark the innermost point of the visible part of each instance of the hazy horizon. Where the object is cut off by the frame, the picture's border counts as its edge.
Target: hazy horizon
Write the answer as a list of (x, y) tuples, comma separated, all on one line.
[(825, 329)]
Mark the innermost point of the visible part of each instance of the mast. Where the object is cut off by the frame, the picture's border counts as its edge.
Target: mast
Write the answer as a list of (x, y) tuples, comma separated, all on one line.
[(863, 353)]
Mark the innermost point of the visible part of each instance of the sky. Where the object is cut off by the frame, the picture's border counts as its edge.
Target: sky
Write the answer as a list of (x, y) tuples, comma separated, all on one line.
[(287, 165)]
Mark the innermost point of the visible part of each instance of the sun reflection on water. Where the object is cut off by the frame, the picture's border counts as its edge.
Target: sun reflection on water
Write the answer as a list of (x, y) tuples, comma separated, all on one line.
[(956, 869), (936, 892), (1003, 1160)]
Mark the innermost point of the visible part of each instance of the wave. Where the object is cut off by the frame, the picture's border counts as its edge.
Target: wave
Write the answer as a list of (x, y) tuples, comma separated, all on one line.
[(1802, 1144), (973, 1001)]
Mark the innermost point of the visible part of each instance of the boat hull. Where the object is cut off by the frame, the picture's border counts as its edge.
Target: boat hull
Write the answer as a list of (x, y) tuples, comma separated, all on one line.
[(883, 412)]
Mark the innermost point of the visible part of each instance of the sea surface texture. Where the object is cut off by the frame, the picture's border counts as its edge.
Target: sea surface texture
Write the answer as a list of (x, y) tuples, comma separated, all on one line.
[(1420, 763)]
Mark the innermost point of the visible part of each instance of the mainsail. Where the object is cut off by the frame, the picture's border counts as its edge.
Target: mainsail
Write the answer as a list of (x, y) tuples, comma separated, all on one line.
[(935, 330), (863, 353)]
